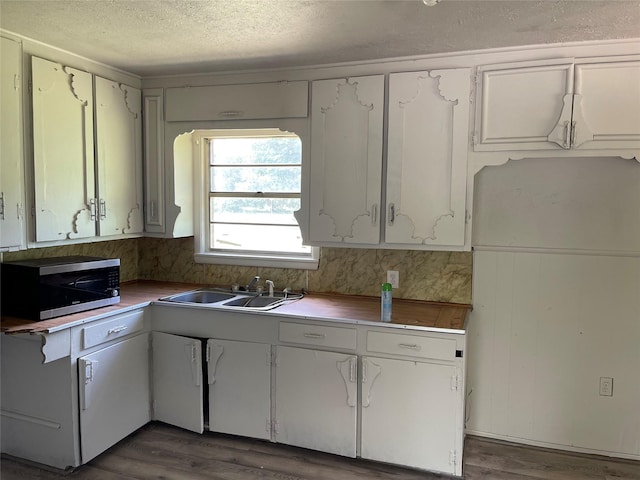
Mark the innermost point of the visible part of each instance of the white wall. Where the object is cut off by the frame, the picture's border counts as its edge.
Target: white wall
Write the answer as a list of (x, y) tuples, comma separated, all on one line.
[(550, 319)]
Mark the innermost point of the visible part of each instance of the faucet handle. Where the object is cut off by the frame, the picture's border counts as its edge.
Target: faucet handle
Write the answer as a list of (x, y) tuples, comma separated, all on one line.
[(271, 285)]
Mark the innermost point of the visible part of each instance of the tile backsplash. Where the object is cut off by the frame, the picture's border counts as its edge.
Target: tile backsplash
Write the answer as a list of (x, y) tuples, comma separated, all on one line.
[(435, 276), (424, 275), (125, 250)]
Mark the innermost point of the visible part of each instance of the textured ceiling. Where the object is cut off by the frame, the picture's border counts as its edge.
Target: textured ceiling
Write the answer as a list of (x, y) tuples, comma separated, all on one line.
[(156, 37)]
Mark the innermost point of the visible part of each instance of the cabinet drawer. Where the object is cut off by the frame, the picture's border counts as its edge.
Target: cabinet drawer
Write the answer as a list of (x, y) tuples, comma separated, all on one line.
[(113, 328), (414, 346), (309, 334)]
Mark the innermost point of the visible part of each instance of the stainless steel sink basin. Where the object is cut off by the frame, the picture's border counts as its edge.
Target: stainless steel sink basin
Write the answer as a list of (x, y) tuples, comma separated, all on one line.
[(221, 298), (200, 296), (253, 302)]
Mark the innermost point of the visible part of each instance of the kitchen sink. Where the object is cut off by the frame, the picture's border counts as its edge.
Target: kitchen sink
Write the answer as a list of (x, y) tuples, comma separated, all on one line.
[(256, 301), (226, 299), (200, 296)]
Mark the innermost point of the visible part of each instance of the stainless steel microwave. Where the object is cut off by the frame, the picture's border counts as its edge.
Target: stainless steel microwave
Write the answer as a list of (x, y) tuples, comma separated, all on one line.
[(43, 288)]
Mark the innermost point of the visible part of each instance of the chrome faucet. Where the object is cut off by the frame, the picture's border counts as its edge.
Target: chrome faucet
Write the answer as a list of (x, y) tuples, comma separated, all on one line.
[(253, 282)]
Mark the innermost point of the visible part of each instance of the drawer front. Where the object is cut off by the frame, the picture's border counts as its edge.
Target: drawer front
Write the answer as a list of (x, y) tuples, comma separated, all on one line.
[(321, 335), (410, 345), (113, 328)]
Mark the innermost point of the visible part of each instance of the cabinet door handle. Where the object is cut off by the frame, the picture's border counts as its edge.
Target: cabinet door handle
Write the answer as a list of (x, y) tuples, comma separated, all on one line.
[(103, 209), (231, 114), (410, 346), (573, 134), (374, 214), (567, 135), (92, 209), (1, 205), (392, 213), (152, 207), (118, 329), (317, 336)]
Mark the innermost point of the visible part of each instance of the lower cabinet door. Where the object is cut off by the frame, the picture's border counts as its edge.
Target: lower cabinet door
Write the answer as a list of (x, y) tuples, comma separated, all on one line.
[(409, 413), (239, 377), (177, 381), (114, 394), (316, 400)]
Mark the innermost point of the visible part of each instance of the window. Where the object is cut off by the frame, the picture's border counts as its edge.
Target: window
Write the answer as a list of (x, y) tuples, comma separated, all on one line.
[(252, 187)]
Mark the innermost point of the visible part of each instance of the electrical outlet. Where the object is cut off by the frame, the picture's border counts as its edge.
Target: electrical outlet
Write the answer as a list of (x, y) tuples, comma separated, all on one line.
[(393, 277), (606, 386)]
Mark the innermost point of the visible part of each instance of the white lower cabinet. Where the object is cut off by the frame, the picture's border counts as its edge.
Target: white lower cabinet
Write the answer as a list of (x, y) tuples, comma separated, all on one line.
[(316, 400), (114, 394), (409, 412), (383, 394), (239, 377), (177, 381), (238, 385)]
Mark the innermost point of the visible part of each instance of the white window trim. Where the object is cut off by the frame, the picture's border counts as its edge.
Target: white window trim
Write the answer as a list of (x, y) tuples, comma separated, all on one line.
[(201, 221)]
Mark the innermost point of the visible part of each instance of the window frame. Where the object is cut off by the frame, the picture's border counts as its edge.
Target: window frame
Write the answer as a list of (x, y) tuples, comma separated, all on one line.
[(204, 254)]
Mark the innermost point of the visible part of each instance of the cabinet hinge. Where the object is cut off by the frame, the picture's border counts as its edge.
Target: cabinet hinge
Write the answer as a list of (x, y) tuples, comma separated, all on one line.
[(276, 427), (30, 85), (453, 457), (474, 139), (455, 382)]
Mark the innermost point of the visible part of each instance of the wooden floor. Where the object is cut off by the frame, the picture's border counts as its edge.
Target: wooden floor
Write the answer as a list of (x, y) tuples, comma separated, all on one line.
[(158, 451)]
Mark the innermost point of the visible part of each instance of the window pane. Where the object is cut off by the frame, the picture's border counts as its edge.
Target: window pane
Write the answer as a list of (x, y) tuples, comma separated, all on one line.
[(262, 238), (260, 210), (255, 179), (238, 151)]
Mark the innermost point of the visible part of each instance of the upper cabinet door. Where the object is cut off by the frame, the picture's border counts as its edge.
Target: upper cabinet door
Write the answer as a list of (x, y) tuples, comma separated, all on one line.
[(119, 150), (153, 159), (12, 227), (427, 157), (63, 152), (564, 104), (521, 105), (346, 160), (606, 105)]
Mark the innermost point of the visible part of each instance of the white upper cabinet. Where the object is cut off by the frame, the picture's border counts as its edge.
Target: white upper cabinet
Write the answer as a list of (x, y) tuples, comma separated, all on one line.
[(119, 162), (245, 101), (346, 160), (63, 158), (12, 226), (153, 151), (79, 195), (427, 157), (562, 104), (606, 105)]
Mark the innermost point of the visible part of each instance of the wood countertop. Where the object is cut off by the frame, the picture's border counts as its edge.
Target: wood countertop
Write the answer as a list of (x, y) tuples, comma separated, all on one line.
[(406, 313)]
